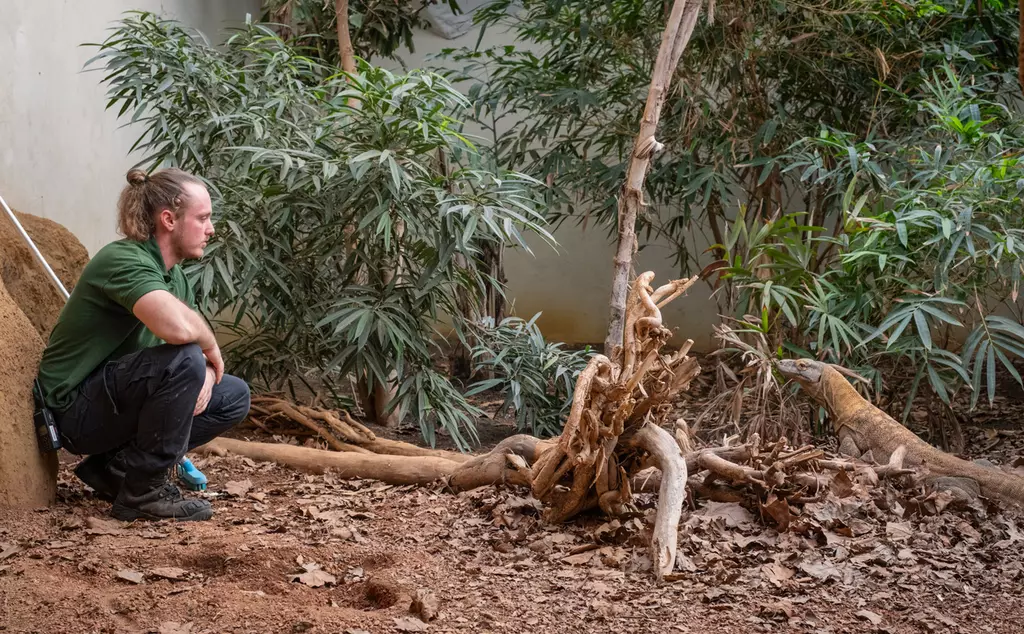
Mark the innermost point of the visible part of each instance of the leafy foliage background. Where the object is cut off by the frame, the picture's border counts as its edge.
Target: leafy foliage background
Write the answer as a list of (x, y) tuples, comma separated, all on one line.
[(350, 207)]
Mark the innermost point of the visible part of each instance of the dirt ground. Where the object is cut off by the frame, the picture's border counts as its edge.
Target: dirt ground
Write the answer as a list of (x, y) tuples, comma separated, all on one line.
[(289, 552)]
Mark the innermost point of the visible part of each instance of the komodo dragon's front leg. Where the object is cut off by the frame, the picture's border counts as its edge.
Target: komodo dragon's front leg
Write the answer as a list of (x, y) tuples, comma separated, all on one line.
[(855, 428), (848, 444)]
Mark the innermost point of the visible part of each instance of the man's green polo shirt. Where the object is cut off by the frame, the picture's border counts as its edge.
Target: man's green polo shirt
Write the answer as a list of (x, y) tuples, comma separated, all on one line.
[(97, 324)]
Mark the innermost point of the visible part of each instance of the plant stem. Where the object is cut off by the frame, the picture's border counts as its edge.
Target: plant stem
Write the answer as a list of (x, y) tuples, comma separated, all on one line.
[(345, 50)]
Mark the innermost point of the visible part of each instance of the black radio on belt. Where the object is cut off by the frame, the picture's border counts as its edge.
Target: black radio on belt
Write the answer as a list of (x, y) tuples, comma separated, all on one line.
[(46, 426)]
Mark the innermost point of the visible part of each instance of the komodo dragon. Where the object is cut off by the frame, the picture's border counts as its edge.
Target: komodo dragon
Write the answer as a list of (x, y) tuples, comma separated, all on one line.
[(862, 427)]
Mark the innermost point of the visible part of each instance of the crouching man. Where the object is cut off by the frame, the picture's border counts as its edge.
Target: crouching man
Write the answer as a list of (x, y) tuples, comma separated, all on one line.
[(132, 372)]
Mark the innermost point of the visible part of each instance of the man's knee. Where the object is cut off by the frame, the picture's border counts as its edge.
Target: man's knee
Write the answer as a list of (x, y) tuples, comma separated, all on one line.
[(187, 362), (235, 406)]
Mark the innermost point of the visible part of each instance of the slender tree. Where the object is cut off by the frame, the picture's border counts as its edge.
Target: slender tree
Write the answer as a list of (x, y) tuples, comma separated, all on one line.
[(673, 42)]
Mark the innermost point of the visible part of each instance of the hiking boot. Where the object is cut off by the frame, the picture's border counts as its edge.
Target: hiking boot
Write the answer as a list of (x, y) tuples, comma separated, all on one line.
[(103, 474), (163, 502)]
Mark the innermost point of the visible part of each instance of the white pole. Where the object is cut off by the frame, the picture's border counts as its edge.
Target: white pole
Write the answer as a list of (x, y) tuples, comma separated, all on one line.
[(32, 245)]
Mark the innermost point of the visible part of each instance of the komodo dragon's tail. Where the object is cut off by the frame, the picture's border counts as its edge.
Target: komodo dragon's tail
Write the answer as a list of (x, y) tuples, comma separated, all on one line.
[(994, 483), (883, 435)]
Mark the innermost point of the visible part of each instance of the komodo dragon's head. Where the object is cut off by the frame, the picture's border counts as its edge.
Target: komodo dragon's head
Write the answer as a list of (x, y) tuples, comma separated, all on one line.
[(814, 376), (806, 372)]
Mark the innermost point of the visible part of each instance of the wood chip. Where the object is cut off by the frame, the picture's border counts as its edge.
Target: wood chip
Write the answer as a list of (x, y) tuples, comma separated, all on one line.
[(130, 575), (169, 573), (8, 550), (409, 624), (870, 616), (96, 526), (238, 488), (313, 576)]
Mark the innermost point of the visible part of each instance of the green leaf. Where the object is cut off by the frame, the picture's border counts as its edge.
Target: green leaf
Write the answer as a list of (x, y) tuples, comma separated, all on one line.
[(939, 314), (937, 384), (899, 329), (991, 375), (977, 372), (924, 333)]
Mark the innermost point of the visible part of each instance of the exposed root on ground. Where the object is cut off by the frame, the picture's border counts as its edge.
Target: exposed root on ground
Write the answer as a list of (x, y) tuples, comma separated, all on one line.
[(612, 447), (338, 429)]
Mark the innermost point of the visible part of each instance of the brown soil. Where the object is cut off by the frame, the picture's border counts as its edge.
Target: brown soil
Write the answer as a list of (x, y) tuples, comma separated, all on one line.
[(26, 478), (492, 565), (29, 305)]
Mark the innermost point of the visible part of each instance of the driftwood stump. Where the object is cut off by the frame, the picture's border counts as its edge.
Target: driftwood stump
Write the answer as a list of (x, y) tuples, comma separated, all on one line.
[(613, 420)]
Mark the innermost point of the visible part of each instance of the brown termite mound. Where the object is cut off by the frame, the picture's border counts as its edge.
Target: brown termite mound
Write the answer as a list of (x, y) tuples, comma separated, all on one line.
[(29, 306)]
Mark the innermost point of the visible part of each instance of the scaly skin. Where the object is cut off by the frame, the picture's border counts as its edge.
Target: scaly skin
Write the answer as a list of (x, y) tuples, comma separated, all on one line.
[(859, 423)]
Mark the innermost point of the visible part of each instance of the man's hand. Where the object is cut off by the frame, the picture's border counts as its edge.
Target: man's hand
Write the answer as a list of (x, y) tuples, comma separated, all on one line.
[(204, 395), (213, 356)]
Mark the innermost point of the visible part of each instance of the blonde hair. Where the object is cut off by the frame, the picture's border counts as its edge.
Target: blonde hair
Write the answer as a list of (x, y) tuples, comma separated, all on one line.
[(145, 196)]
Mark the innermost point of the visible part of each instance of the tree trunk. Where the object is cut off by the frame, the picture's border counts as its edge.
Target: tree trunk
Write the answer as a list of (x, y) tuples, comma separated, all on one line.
[(384, 393), (345, 50), (462, 472), (386, 468), (284, 17), (382, 397), (494, 257), (673, 42), (462, 362)]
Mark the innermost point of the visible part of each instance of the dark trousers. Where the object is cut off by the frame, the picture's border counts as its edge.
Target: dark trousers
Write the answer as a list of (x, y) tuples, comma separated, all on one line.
[(143, 403)]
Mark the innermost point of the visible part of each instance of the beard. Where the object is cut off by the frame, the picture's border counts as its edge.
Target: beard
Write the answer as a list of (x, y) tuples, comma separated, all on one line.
[(185, 251)]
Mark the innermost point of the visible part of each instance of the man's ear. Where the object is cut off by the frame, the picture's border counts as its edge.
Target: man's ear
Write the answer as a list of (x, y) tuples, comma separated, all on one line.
[(849, 373), (166, 219)]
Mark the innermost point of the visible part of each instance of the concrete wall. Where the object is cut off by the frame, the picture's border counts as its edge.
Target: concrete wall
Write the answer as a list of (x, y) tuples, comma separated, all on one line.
[(61, 155)]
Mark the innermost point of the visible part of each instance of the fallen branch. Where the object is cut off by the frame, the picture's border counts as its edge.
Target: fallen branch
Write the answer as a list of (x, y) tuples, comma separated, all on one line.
[(495, 467), (339, 430), (389, 469), (674, 39), (671, 493), (731, 471)]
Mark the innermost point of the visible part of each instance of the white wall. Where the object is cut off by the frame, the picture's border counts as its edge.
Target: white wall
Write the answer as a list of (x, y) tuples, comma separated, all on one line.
[(61, 155)]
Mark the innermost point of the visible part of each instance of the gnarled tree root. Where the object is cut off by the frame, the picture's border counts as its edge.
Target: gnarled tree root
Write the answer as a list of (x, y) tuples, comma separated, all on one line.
[(389, 469), (338, 429)]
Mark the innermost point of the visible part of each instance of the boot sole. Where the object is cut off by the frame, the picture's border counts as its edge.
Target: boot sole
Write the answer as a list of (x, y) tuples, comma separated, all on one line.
[(126, 514)]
